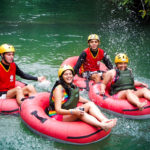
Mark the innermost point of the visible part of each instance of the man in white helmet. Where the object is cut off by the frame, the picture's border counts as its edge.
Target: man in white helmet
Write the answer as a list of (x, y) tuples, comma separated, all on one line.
[(8, 72), (90, 60)]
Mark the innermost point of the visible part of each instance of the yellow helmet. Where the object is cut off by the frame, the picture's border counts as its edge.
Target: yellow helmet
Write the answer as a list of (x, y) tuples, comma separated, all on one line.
[(93, 37), (121, 57), (64, 68), (6, 48)]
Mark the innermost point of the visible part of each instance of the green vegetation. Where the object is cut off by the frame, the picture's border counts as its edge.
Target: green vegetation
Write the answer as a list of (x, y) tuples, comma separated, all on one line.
[(141, 7), (146, 8)]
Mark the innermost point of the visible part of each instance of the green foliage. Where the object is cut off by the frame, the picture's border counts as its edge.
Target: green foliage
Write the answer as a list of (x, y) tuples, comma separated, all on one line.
[(143, 13), (126, 2), (144, 9)]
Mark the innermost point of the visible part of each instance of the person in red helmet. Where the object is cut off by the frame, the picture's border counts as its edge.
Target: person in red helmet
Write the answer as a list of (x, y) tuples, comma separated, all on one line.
[(8, 71), (123, 84), (89, 60)]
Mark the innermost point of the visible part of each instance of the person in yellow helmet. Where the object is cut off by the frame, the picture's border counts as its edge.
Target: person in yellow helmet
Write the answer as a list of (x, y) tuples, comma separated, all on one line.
[(123, 83), (90, 59), (64, 98), (8, 71)]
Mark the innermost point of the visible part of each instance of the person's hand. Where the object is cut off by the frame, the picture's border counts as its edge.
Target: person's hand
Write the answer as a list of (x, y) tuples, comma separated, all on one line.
[(144, 85), (78, 112), (41, 79)]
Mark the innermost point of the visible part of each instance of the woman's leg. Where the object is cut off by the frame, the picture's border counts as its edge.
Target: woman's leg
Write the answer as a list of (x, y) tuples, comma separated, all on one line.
[(94, 122), (91, 120), (93, 110), (93, 116)]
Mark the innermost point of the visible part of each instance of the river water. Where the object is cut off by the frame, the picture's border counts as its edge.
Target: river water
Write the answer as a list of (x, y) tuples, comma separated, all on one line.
[(45, 32)]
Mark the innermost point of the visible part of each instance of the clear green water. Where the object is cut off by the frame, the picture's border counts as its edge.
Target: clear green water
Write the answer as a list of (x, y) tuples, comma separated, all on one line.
[(45, 32)]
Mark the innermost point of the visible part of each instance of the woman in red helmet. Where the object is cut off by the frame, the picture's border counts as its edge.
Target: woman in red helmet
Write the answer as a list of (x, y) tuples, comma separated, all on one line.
[(65, 97)]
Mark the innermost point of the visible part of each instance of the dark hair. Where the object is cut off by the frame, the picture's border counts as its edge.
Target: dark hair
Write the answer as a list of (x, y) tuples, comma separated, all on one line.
[(64, 85)]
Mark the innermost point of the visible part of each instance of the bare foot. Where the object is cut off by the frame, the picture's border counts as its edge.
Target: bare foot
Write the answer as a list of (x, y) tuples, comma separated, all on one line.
[(108, 120), (141, 105), (108, 125)]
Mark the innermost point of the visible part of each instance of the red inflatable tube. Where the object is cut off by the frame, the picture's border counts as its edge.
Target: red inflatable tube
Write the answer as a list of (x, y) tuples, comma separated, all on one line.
[(32, 112), (80, 82), (116, 106), (10, 106)]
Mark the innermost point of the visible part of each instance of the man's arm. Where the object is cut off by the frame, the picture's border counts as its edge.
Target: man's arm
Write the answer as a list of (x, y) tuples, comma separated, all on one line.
[(107, 61), (81, 59), (24, 75), (137, 83)]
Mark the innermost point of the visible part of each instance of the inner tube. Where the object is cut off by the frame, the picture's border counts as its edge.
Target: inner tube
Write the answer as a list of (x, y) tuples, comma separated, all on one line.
[(10, 106), (79, 81), (32, 112), (120, 107)]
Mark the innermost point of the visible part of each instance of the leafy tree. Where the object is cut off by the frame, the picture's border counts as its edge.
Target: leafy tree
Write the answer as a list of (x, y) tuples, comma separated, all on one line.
[(142, 7)]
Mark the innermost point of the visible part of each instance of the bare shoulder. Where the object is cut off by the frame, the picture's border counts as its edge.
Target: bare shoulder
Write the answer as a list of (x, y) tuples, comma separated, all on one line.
[(58, 88), (58, 92)]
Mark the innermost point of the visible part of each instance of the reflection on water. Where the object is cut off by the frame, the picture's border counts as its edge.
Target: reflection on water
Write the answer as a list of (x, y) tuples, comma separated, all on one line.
[(45, 33)]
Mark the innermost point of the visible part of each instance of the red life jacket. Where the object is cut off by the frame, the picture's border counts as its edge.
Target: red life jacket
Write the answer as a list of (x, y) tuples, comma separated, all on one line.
[(92, 63), (7, 77)]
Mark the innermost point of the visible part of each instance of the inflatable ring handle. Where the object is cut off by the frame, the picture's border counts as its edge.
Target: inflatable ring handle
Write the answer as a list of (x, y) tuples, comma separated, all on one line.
[(34, 113)]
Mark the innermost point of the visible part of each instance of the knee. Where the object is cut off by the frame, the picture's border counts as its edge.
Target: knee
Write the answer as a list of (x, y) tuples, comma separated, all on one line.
[(91, 104), (128, 92), (30, 88), (144, 89), (18, 89)]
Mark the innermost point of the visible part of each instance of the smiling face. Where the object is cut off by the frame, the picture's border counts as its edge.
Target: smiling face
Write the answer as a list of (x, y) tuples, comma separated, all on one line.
[(93, 44), (122, 66), (8, 57), (68, 76)]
